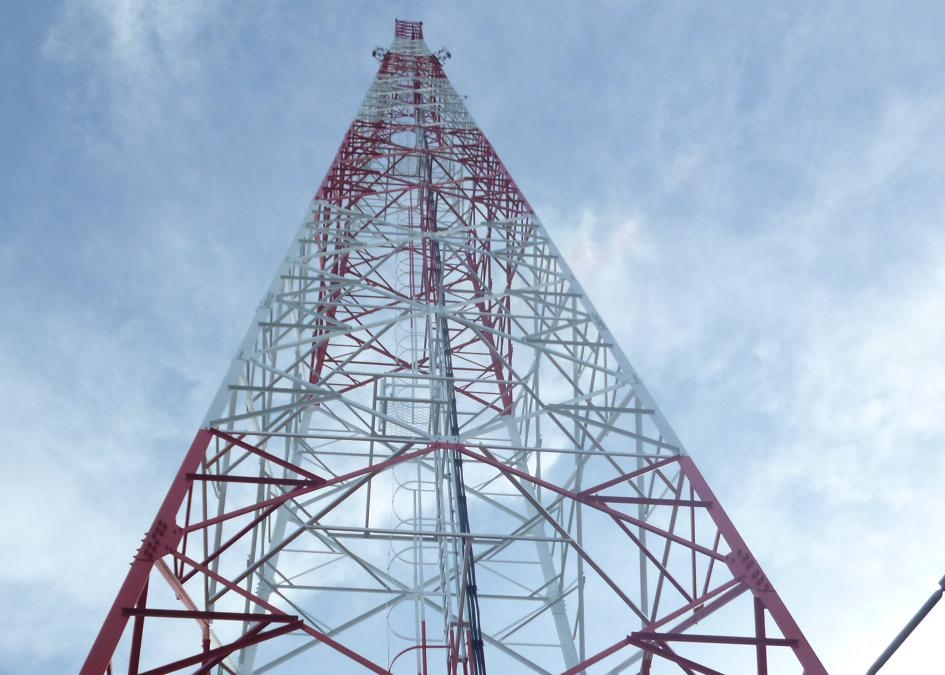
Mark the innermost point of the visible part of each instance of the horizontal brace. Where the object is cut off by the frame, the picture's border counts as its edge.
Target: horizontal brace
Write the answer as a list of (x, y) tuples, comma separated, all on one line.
[(297, 391), (528, 339), (352, 438), (222, 651), (714, 639), (627, 477), (209, 616), (432, 535), (647, 500), (665, 652), (255, 480), (233, 440), (543, 292), (590, 407), (405, 399)]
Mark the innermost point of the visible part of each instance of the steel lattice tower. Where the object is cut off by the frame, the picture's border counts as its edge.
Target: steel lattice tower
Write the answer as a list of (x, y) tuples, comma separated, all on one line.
[(430, 456)]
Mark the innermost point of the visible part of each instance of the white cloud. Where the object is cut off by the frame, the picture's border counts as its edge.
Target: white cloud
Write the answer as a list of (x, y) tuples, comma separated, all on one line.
[(136, 71), (130, 41)]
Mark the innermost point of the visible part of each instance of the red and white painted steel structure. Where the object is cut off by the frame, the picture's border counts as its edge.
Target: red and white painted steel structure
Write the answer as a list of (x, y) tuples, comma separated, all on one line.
[(430, 456)]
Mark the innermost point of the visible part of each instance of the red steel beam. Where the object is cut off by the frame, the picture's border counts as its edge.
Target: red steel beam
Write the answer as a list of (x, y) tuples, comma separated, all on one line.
[(105, 643)]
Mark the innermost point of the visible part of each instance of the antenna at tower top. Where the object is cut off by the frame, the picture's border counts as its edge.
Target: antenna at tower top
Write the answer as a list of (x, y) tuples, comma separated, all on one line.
[(408, 30)]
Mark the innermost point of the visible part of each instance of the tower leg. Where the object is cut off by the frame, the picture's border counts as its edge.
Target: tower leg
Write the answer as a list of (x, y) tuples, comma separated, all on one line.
[(160, 539)]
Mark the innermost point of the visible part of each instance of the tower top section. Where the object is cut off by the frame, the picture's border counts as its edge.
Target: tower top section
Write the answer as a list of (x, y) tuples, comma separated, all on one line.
[(408, 30)]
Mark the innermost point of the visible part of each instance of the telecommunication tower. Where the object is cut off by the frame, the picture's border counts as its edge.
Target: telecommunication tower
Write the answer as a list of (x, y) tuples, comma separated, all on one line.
[(430, 456)]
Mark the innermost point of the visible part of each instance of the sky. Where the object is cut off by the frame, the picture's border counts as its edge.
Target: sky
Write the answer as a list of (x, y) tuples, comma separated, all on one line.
[(753, 195)]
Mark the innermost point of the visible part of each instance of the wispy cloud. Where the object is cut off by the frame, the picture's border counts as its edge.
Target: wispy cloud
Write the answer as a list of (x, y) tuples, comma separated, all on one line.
[(138, 64)]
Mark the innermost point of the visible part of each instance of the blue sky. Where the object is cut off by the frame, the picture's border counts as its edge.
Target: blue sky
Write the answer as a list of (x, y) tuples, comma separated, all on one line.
[(752, 194)]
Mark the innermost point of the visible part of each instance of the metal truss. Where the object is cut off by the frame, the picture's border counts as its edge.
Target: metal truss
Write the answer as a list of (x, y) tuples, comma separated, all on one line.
[(429, 455)]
